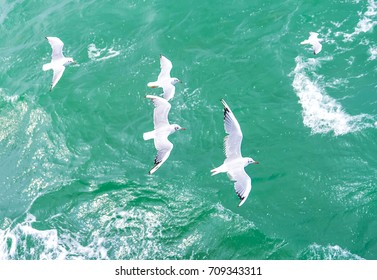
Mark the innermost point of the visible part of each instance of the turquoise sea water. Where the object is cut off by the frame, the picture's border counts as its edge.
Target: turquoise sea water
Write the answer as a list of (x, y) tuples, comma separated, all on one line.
[(74, 180)]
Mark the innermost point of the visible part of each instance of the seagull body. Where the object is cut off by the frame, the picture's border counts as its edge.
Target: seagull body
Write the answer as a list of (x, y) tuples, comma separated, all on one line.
[(234, 163), (314, 41), (58, 60), (162, 129), (164, 80)]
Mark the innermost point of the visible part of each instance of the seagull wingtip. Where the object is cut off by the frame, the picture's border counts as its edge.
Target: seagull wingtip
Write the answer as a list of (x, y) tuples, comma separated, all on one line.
[(241, 202), (224, 103)]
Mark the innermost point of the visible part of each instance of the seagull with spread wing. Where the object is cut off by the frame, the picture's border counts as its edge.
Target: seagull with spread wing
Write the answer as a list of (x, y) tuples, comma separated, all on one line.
[(58, 60), (314, 41), (162, 129), (164, 80), (234, 163)]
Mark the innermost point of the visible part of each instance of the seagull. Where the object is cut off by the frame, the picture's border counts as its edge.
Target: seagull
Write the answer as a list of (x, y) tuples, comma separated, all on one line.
[(58, 60), (234, 163), (164, 80), (314, 41), (162, 129)]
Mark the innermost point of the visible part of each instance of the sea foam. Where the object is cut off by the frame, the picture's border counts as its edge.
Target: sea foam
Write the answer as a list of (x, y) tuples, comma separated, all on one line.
[(322, 113), (25, 242), (329, 252), (373, 53), (366, 22), (98, 54)]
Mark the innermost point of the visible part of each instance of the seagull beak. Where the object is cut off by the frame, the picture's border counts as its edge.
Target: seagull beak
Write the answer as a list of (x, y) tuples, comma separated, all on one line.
[(182, 128), (256, 162)]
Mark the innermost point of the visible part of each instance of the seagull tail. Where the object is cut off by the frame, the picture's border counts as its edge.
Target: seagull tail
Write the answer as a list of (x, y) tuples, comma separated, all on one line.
[(47, 66), (153, 84), (218, 170), (149, 135)]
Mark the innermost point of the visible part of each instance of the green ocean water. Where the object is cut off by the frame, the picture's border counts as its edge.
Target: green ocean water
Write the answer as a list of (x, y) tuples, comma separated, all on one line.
[(74, 180)]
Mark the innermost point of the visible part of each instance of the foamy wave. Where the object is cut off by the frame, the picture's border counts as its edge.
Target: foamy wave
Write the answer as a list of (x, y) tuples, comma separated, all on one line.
[(97, 54), (8, 98), (366, 23), (26, 242), (373, 53), (318, 252), (322, 113)]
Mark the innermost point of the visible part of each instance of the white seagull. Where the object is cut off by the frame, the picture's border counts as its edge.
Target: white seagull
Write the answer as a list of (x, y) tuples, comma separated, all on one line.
[(234, 163), (164, 80), (314, 41), (58, 60), (162, 129)]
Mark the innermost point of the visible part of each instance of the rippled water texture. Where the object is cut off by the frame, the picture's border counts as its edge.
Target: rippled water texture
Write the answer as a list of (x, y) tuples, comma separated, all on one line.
[(74, 180)]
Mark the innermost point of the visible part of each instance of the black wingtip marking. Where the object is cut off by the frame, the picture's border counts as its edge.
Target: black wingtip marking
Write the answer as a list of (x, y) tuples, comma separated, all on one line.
[(226, 111)]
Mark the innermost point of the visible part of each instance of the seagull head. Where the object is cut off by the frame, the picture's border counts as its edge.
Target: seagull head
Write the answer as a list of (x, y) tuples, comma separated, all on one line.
[(251, 161), (314, 34), (178, 127), (175, 80), (69, 61)]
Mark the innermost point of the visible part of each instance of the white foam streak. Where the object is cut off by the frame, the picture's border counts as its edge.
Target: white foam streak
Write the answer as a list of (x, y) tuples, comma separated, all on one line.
[(96, 54), (373, 53), (329, 252), (366, 23), (322, 113), (26, 242)]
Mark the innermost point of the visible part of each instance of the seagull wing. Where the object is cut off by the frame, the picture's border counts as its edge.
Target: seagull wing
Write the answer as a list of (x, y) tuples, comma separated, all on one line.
[(58, 73), (166, 67), (164, 147), (232, 142), (161, 111), (317, 47), (314, 41), (313, 35), (57, 47), (242, 184), (169, 91)]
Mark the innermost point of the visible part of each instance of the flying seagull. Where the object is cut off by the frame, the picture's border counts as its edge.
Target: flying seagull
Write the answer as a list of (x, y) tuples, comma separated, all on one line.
[(314, 41), (58, 60), (164, 80), (162, 129), (234, 163)]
